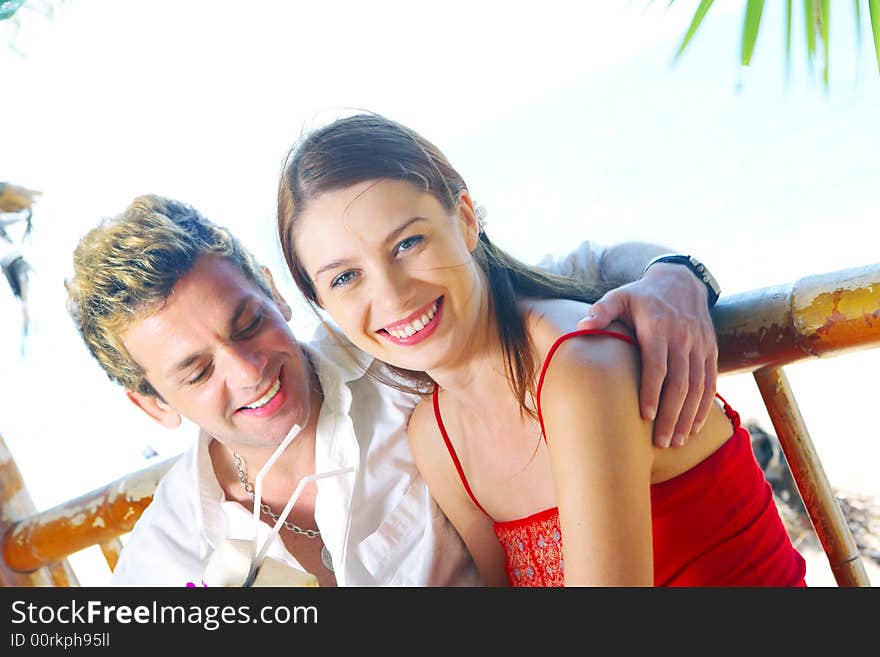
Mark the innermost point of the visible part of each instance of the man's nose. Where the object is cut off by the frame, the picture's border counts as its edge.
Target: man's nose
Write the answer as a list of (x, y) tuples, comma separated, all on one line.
[(246, 366)]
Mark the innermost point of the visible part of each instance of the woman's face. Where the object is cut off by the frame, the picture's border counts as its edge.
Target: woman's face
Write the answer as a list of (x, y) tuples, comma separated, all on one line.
[(393, 268)]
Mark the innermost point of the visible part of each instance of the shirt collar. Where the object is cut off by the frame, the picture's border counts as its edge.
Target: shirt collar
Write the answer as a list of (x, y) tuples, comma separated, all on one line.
[(209, 513)]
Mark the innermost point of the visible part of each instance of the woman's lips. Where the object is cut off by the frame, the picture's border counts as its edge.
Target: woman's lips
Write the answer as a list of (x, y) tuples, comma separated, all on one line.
[(421, 334)]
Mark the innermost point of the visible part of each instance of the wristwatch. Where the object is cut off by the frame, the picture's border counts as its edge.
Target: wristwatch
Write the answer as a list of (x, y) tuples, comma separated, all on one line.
[(697, 267)]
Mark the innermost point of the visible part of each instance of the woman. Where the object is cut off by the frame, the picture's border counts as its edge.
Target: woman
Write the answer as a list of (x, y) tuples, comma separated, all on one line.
[(528, 432)]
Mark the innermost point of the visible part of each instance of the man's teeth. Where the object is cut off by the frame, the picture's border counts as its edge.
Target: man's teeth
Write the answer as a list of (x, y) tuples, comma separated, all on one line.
[(265, 399), (407, 330)]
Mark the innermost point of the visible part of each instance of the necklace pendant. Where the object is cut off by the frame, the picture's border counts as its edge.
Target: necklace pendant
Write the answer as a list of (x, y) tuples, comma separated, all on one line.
[(325, 558)]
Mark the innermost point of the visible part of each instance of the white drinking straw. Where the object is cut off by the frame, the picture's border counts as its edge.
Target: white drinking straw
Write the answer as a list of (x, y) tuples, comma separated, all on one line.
[(258, 488), (259, 555)]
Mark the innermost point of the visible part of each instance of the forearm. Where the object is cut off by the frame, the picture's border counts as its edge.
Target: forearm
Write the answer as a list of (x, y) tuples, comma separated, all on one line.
[(624, 263)]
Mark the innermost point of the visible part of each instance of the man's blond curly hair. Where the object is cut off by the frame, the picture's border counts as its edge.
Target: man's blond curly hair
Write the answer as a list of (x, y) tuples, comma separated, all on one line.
[(125, 269)]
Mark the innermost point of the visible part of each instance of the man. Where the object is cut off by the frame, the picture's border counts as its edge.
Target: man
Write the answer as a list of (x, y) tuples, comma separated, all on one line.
[(178, 312)]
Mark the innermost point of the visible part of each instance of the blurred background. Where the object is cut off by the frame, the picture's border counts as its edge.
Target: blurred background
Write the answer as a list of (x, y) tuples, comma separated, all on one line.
[(569, 121)]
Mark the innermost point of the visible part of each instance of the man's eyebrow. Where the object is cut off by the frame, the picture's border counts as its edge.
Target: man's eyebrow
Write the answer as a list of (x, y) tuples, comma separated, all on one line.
[(184, 364), (187, 362), (239, 309), (390, 238)]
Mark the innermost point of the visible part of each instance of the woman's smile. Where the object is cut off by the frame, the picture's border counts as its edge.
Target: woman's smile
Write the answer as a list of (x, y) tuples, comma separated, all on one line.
[(415, 328)]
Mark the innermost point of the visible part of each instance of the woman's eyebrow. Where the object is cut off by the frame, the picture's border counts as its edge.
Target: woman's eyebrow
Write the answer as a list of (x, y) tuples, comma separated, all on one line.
[(389, 238), (331, 265), (406, 224)]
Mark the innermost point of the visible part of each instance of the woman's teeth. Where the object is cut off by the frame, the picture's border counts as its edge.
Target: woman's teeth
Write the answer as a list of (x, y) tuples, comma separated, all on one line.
[(407, 330), (265, 399)]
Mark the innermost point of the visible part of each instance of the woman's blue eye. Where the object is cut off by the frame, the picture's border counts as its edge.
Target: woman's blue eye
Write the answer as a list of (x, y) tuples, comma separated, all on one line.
[(408, 243), (342, 279)]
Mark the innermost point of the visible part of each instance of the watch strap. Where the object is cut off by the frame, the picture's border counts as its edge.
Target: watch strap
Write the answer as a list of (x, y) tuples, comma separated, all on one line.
[(697, 268)]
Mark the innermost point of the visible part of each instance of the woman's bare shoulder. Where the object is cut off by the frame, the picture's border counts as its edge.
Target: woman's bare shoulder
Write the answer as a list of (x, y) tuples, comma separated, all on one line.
[(547, 320), (422, 425)]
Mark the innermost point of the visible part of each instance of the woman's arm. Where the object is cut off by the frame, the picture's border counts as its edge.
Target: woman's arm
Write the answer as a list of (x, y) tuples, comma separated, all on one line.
[(437, 469), (600, 452)]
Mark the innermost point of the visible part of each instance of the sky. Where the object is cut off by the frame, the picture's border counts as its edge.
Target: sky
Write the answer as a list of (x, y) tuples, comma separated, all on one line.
[(568, 121)]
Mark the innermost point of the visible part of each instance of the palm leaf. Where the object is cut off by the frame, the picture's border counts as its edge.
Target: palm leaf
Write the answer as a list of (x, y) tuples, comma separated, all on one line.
[(751, 24), (857, 8), (874, 6), (825, 19), (9, 7), (810, 27), (699, 15), (817, 23), (788, 35)]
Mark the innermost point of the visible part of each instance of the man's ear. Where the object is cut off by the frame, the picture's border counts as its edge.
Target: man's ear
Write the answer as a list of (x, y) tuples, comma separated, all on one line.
[(470, 224), (276, 295), (155, 408)]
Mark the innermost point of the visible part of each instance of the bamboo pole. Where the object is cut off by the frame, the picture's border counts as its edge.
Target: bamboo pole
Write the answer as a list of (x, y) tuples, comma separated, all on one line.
[(815, 316), (16, 504), (96, 517), (111, 550), (62, 574), (806, 468)]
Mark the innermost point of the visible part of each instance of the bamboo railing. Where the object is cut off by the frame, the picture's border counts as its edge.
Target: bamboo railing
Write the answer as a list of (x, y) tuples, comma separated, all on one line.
[(33, 541), (16, 505), (758, 331), (763, 330)]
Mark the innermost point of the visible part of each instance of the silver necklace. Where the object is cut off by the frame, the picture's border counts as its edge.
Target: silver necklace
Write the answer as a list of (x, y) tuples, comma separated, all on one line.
[(296, 529)]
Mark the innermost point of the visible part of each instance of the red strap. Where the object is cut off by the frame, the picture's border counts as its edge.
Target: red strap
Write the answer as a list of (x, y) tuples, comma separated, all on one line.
[(559, 341), (451, 449), (732, 414), (728, 410)]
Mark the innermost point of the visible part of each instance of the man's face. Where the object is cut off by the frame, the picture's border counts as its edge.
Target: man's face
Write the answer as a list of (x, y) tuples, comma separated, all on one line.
[(220, 353)]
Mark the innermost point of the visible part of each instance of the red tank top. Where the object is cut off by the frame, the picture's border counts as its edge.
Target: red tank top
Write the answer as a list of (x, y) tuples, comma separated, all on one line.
[(713, 525)]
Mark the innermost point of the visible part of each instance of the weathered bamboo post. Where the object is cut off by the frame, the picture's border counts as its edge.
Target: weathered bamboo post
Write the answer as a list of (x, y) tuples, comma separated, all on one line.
[(111, 549), (822, 315), (762, 330), (98, 517), (809, 475), (15, 505)]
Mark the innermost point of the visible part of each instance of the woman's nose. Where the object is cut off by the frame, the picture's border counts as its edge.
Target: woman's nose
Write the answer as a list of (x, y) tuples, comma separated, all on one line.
[(394, 289)]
